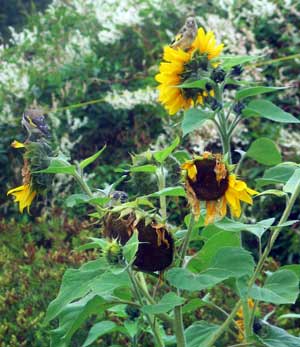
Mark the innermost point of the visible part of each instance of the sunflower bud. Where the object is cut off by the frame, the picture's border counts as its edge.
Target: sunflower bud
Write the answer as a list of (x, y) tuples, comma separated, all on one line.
[(113, 253), (132, 312), (237, 70), (218, 75), (215, 104), (238, 107)]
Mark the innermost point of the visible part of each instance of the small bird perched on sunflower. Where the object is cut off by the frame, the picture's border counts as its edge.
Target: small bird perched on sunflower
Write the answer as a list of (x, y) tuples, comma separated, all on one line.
[(186, 34), (34, 120)]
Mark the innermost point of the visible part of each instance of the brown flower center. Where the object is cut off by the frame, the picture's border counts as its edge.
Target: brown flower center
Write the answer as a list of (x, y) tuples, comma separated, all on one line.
[(211, 180)]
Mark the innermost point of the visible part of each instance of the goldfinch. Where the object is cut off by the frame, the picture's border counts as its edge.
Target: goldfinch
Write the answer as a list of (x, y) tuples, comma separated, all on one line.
[(34, 120), (186, 35)]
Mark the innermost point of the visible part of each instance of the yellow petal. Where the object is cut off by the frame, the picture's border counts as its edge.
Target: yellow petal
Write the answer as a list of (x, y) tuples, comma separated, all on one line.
[(17, 144)]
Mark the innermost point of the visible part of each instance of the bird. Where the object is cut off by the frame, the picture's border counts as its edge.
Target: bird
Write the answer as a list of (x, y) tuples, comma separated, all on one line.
[(34, 121), (118, 196), (186, 34)]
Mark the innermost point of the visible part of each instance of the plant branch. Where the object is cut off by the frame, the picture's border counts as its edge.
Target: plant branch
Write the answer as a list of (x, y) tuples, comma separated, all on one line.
[(260, 265)]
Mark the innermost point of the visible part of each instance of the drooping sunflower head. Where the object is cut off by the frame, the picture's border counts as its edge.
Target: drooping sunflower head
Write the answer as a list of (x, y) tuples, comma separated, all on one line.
[(36, 157), (208, 179), (181, 67), (156, 248)]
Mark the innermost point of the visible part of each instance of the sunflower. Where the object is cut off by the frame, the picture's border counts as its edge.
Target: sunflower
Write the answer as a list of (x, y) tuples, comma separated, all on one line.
[(208, 179), (180, 66), (24, 195)]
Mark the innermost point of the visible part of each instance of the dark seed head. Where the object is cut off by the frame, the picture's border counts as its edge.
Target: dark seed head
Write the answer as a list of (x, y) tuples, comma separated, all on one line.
[(206, 186), (156, 248)]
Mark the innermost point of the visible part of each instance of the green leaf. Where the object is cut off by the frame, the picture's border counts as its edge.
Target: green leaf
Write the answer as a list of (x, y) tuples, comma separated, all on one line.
[(59, 165), (292, 267), (230, 61), (252, 91), (193, 119), (91, 159), (235, 261), (228, 262), (162, 155), (192, 305), (99, 329), (144, 168), (289, 316), (106, 284), (277, 337), (76, 199), (75, 284), (169, 191), (131, 247), (266, 109), (202, 260), (264, 151), (199, 333), (278, 174), (131, 327), (165, 304), (196, 84), (275, 192), (293, 182), (282, 287), (257, 229), (73, 316), (181, 156)]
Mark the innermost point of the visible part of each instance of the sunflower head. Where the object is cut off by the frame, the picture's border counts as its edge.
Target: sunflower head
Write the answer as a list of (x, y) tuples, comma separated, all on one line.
[(36, 157), (156, 247), (208, 179), (181, 67)]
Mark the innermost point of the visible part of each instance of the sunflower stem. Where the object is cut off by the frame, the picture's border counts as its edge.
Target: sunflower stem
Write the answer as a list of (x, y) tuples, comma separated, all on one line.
[(151, 322), (161, 180), (178, 323), (85, 188), (259, 266)]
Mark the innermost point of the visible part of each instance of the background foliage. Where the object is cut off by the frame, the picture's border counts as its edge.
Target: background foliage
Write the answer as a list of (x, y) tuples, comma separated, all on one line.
[(76, 51)]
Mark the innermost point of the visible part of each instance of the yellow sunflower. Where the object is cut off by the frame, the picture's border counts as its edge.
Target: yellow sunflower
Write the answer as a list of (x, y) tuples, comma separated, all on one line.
[(179, 66), (24, 195), (209, 180)]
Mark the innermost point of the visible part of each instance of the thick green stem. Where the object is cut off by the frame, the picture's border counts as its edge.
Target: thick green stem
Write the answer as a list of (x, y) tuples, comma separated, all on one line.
[(186, 240), (178, 323), (247, 320), (152, 324), (162, 185), (143, 287), (178, 326), (259, 267)]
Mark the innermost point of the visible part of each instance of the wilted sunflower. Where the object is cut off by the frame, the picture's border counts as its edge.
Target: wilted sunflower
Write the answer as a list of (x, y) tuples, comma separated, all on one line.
[(180, 66), (208, 179), (36, 157), (156, 248)]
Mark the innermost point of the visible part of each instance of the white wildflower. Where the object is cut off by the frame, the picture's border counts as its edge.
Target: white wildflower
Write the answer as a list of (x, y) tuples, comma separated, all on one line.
[(128, 100)]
